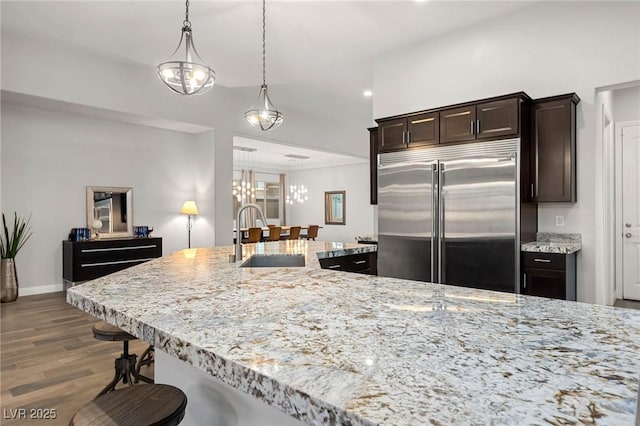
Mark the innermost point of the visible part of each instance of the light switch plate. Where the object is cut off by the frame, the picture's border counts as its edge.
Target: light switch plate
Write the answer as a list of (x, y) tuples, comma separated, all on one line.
[(559, 220)]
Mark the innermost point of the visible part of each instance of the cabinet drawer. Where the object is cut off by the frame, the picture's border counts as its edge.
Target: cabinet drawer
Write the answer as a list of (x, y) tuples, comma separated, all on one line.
[(353, 263), (544, 260)]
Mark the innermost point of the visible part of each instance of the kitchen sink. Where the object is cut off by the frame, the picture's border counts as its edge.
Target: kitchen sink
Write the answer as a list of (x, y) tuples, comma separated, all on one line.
[(273, 261)]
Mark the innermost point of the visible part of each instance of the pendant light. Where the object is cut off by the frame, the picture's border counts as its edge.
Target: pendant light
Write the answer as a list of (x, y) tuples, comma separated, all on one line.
[(264, 115), (188, 74)]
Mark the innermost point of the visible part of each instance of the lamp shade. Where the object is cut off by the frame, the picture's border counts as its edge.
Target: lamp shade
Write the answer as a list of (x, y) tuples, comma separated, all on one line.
[(189, 207)]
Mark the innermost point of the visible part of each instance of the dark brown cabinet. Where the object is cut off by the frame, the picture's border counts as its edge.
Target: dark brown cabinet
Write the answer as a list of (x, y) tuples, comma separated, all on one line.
[(373, 165), (362, 263), (487, 120), (553, 142), (407, 132), (549, 275), (87, 260)]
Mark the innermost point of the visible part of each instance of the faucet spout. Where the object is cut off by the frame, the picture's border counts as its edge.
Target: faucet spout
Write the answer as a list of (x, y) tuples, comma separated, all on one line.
[(238, 251)]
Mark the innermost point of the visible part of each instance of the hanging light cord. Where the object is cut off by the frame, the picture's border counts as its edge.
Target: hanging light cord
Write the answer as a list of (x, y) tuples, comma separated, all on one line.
[(186, 25), (264, 43)]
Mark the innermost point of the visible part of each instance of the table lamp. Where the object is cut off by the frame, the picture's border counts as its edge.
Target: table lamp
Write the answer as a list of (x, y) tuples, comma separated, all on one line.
[(189, 208)]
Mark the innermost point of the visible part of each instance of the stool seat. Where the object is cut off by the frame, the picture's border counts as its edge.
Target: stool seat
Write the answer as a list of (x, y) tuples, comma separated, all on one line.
[(105, 331), (143, 405)]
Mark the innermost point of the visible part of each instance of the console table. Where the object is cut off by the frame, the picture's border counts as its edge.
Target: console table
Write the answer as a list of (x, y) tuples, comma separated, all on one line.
[(87, 260)]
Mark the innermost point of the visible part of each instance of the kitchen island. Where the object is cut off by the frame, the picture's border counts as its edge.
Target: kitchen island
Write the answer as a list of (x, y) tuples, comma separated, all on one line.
[(329, 347)]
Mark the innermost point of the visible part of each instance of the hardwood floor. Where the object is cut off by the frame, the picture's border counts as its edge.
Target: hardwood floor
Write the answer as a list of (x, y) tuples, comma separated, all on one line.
[(631, 304), (50, 360)]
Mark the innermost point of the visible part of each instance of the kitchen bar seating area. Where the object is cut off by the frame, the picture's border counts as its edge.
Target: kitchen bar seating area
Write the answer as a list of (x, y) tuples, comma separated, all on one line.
[(278, 233)]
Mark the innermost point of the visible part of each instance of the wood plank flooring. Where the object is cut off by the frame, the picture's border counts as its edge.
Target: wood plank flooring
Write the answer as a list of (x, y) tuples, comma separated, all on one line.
[(50, 360)]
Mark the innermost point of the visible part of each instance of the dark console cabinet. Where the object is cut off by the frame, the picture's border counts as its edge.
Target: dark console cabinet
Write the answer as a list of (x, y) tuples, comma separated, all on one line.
[(88, 260), (549, 275)]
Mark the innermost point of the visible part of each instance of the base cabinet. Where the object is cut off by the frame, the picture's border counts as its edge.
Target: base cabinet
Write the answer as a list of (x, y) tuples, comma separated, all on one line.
[(88, 260), (549, 275), (362, 263)]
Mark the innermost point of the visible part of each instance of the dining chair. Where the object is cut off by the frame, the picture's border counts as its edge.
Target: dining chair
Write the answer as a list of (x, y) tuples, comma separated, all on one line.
[(312, 233), (294, 232), (274, 233), (255, 235)]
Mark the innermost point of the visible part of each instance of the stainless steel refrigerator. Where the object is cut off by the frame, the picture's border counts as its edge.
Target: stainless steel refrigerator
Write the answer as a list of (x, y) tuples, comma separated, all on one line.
[(450, 214)]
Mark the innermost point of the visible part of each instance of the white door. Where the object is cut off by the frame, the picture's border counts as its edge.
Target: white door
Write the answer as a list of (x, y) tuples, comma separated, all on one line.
[(631, 211)]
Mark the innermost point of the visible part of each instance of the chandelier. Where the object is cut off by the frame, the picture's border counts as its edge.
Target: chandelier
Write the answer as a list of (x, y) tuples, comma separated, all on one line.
[(243, 191), (188, 74), (298, 193), (264, 115)]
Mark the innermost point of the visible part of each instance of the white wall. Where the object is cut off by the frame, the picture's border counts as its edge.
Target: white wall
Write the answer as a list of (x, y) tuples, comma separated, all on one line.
[(354, 180), (48, 157), (626, 104), (546, 49)]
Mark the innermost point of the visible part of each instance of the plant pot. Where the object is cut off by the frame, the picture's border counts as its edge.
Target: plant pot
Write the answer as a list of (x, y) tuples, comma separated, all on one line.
[(8, 280)]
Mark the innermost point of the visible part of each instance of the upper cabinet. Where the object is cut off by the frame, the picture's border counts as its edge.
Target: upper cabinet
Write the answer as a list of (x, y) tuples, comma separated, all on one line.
[(553, 146), (481, 120), (407, 132), (485, 120)]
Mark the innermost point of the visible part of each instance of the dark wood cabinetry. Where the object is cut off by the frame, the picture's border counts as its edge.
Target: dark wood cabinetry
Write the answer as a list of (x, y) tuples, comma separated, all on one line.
[(553, 141), (362, 263), (549, 275), (407, 132), (88, 260), (373, 165), (486, 120)]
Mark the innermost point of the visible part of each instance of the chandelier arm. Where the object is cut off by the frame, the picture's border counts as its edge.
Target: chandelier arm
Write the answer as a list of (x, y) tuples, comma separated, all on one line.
[(182, 82)]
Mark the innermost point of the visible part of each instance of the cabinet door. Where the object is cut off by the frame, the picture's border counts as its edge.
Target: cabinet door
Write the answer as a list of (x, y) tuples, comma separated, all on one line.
[(457, 124), (392, 134), (499, 118), (545, 283), (373, 165), (553, 150), (424, 129)]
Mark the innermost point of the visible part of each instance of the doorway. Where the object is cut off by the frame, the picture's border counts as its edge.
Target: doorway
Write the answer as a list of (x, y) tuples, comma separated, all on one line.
[(628, 209)]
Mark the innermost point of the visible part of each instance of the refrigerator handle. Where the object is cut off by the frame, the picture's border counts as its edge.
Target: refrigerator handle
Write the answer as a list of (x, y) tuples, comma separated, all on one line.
[(434, 221), (440, 223)]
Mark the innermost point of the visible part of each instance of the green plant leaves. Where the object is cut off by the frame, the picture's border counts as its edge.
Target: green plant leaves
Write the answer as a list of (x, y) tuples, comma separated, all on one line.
[(11, 243)]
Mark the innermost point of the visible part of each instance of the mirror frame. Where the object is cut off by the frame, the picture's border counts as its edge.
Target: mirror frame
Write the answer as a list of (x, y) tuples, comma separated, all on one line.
[(328, 217), (90, 209)]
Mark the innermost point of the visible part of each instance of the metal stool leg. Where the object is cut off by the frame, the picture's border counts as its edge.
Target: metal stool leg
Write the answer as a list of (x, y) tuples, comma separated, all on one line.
[(147, 358)]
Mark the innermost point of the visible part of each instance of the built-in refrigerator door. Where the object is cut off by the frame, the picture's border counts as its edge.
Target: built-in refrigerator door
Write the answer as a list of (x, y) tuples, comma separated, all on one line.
[(478, 214), (405, 215)]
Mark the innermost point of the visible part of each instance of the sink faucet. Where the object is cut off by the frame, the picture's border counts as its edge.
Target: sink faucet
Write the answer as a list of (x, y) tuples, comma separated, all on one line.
[(238, 253)]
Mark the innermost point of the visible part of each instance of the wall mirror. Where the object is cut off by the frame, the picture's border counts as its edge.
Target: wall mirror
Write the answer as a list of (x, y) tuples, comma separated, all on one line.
[(335, 204), (109, 211)]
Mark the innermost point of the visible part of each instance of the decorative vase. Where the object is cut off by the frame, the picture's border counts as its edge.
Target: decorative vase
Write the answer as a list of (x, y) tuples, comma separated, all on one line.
[(8, 280)]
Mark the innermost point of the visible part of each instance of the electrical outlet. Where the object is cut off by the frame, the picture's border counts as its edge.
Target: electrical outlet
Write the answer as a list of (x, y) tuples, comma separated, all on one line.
[(559, 220)]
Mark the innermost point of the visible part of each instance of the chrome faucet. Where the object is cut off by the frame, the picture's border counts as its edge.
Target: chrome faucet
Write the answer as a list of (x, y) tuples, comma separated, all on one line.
[(238, 253)]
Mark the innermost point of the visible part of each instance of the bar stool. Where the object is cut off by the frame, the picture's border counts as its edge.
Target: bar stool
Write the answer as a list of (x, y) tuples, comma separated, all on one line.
[(125, 366), (255, 235), (144, 405)]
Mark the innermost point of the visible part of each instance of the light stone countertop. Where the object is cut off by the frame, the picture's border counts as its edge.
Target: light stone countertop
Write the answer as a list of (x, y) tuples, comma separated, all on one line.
[(331, 347), (551, 242)]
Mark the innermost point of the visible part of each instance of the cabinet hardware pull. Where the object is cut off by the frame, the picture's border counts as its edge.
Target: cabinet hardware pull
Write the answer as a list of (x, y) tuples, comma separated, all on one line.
[(404, 137), (525, 280), (334, 266), (117, 248), (408, 137), (532, 192), (115, 262), (472, 132), (542, 260), (478, 126), (359, 262)]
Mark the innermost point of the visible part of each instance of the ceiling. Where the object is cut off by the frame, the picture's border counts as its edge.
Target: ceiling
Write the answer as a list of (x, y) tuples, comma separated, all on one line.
[(320, 54), (270, 156)]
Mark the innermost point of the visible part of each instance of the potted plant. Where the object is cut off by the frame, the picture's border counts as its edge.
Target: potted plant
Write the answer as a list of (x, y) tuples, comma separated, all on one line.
[(10, 245)]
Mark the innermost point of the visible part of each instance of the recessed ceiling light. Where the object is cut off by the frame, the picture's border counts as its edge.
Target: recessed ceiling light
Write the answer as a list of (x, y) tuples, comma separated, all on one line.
[(368, 93)]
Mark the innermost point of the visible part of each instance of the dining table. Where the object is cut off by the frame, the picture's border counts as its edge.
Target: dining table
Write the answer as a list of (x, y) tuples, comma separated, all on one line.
[(284, 230)]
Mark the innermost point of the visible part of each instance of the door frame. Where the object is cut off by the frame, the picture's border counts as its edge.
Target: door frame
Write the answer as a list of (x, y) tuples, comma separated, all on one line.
[(619, 127)]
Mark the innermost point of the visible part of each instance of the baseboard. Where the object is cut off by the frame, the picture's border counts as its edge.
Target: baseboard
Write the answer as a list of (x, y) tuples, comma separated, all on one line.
[(29, 291)]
